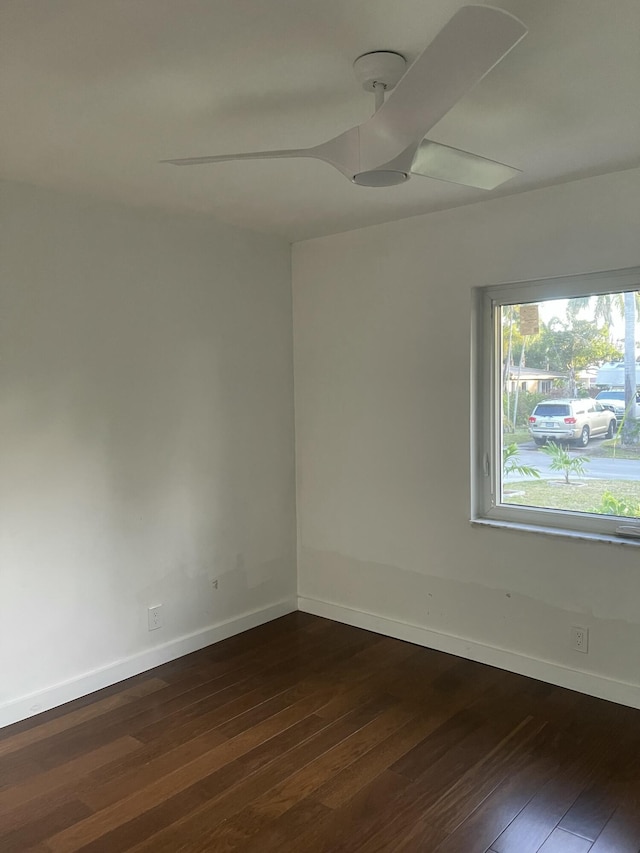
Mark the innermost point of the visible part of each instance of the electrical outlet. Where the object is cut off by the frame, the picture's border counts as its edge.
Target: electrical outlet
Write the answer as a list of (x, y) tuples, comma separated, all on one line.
[(155, 617), (580, 639)]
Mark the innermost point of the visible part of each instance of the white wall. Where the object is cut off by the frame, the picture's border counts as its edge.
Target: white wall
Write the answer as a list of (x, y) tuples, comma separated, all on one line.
[(146, 422), (382, 353)]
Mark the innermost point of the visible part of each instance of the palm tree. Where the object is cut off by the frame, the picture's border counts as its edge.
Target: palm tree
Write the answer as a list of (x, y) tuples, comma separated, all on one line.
[(629, 432), (606, 305), (508, 315), (626, 305)]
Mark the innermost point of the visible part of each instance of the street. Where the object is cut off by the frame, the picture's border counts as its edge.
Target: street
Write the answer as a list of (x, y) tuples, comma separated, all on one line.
[(597, 468)]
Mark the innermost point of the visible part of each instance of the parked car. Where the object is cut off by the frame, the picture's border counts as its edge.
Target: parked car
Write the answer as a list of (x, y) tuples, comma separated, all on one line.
[(614, 400), (571, 420)]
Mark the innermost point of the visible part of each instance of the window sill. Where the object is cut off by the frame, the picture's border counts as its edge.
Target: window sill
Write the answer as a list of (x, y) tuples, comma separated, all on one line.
[(556, 531)]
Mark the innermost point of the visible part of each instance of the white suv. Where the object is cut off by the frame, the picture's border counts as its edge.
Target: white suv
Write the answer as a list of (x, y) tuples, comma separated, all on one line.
[(614, 400), (571, 420)]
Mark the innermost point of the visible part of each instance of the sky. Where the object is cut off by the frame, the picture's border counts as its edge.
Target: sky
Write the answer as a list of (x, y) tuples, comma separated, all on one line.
[(558, 308)]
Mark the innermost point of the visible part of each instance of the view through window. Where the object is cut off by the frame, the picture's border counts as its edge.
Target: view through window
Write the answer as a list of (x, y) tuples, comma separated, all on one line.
[(570, 404)]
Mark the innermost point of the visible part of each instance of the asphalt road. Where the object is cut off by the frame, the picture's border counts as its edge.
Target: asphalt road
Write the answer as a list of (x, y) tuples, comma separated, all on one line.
[(598, 468)]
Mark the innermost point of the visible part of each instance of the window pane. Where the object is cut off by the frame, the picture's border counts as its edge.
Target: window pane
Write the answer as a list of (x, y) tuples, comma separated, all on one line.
[(561, 449)]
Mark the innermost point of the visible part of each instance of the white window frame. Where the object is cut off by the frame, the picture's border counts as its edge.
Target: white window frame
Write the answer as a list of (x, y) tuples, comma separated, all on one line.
[(486, 409)]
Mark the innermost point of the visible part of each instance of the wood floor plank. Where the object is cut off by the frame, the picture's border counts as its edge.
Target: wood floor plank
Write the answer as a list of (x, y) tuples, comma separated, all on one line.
[(216, 786), (565, 842), (445, 813), (72, 770), (156, 764), (622, 831), (203, 823), (308, 735), (222, 785), (286, 828), (131, 719), (182, 694), (589, 814), (451, 786), (217, 708), (360, 684), (454, 733), (62, 746), (354, 777), (161, 803), (141, 773), (18, 769), (129, 684), (90, 712), (56, 820), (234, 652), (290, 792), (18, 818), (351, 821), (539, 818), (477, 831)]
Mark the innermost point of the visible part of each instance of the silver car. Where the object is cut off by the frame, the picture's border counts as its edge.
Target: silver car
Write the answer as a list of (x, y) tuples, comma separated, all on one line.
[(615, 400), (571, 420)]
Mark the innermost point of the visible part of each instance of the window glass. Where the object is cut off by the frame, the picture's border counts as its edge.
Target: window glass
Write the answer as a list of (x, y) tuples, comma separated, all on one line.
[(550, 410), (549, 454)]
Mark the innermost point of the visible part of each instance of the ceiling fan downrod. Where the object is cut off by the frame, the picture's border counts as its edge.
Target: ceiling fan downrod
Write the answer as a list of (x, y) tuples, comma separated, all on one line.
[(379, 72)]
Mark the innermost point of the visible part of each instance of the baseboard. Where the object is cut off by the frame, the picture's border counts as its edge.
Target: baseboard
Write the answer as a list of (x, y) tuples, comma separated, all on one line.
[(621, 692), (89, 682)]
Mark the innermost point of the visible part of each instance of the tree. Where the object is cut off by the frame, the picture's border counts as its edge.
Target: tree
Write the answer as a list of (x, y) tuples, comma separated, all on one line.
[(629, 431), (510, 338), (511, 463), (603, 308), (605, 305), (561, 460), (512, 342), (514, 417), (569, 347), (627, 305)]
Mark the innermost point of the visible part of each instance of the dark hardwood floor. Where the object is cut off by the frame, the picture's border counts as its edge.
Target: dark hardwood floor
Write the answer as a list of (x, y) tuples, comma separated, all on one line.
[(307, 735)]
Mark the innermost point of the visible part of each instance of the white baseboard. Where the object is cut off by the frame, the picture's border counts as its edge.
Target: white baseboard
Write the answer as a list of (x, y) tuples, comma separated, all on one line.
[(89, 682), (584, 682)]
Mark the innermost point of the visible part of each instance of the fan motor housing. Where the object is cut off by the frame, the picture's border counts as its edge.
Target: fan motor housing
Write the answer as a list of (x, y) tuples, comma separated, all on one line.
[(384, 67), (380, 178)]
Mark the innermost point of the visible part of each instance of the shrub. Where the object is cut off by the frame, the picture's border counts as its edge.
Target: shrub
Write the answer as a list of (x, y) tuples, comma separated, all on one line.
[(611, 505), (511, 463), (563, 461), (527, 401)]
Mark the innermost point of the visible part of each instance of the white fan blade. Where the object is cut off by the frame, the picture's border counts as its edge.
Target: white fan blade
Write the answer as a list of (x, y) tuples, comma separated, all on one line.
[(443, 163), (250, 155), (342, 153), (467, 48)]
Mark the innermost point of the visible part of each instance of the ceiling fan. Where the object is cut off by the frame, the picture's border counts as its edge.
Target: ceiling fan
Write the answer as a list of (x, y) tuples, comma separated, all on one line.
[(390, 146)]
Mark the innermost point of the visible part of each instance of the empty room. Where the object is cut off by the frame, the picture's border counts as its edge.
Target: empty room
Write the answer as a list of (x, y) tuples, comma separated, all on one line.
[(319, 426)]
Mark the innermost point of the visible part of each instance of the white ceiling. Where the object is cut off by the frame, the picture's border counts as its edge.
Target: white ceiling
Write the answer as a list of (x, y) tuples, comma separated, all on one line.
[(93, 93)]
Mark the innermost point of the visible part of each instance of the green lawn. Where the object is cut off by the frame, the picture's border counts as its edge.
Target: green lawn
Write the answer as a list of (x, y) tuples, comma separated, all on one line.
[(521, 436), (580, 495), (613, 449), (610, 449)]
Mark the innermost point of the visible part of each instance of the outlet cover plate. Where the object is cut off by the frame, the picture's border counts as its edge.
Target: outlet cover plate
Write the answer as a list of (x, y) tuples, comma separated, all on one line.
[(155, 617), (580, 639)]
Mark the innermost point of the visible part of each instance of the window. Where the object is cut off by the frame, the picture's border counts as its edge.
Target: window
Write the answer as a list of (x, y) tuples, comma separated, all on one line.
[(565, 457)]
